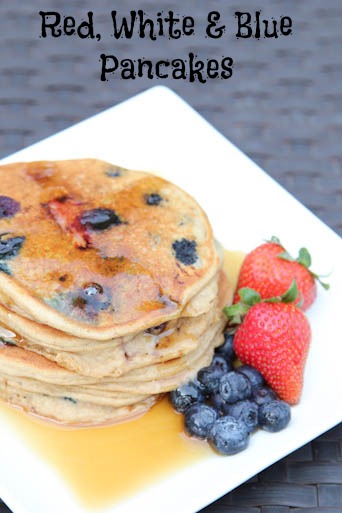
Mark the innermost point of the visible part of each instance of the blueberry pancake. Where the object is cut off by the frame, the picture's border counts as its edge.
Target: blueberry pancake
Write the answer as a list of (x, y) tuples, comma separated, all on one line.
[(114, 357), (45, 388), (161, 343), (99, 251), (111, 290)]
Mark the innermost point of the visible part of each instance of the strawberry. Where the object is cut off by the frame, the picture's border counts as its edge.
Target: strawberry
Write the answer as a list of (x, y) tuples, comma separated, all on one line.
[(66, 212), (270, 270), (273, 337)]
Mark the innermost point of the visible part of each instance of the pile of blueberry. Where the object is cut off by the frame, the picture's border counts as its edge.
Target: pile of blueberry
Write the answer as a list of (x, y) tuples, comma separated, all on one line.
[(224, 405)]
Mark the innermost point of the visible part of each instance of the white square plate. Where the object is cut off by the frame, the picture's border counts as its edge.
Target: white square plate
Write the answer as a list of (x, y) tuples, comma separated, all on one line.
[(157, 131)]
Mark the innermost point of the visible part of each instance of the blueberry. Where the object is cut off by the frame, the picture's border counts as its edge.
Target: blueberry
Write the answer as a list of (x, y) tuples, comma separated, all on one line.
[(91, 299), (7, 342), (4, 268), (100, 218), (156, 330), (8, 206), (91, 305), (252, 374), (234, 387), (70, 399), (199, 385), (198, 420), (10, 247), (263, 395), (153, 199), (92, 289), (274, 416), (221, 363), (209, 377), (247, 412), (114, 172), (228, 435), (226, 349), (184, 396), (186, 251), (219, 403)]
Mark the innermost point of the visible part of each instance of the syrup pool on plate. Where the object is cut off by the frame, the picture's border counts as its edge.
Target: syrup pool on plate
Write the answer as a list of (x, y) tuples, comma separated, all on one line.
[(144, 449)]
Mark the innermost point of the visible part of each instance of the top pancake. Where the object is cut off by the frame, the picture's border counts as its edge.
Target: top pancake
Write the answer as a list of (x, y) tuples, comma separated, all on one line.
[(99, 251)]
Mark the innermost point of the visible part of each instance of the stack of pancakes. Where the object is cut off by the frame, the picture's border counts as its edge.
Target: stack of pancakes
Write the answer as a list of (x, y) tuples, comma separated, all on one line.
[(111, 290)]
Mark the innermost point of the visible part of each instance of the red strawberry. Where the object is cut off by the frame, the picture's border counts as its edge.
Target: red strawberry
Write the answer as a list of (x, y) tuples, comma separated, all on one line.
[(274, 337), (270, 270), (66, 212)]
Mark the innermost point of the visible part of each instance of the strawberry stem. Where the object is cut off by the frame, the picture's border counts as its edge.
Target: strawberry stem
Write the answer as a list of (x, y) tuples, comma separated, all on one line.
[(326, 286), (250, 297), (236, 312), (274, 240), (304, 258)]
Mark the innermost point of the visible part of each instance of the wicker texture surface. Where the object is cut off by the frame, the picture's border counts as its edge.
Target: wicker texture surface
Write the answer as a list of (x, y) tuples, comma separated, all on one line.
[(283, 107)]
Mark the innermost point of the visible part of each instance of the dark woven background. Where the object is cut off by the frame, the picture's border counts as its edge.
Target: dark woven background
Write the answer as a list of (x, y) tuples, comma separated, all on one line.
[(282, 107)]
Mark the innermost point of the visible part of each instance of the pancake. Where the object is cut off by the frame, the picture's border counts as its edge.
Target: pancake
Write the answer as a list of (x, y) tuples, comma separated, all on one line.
[(75, 414), (111, 290), (178, 338), (41, 386), (52, 338), (98, 251), (170, 340), (18, 362)]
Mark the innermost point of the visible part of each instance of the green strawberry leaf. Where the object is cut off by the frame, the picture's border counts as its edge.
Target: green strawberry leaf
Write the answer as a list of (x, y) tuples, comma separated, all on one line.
[(300, 303), (291, 294), (304, 257), (235, 312), (326, 286), (286, 256), (275, 240), (288, 297), (249, 296), (275, 299)]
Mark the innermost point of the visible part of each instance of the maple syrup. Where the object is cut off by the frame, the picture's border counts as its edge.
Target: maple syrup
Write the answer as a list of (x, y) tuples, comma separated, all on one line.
[(104, 465)]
